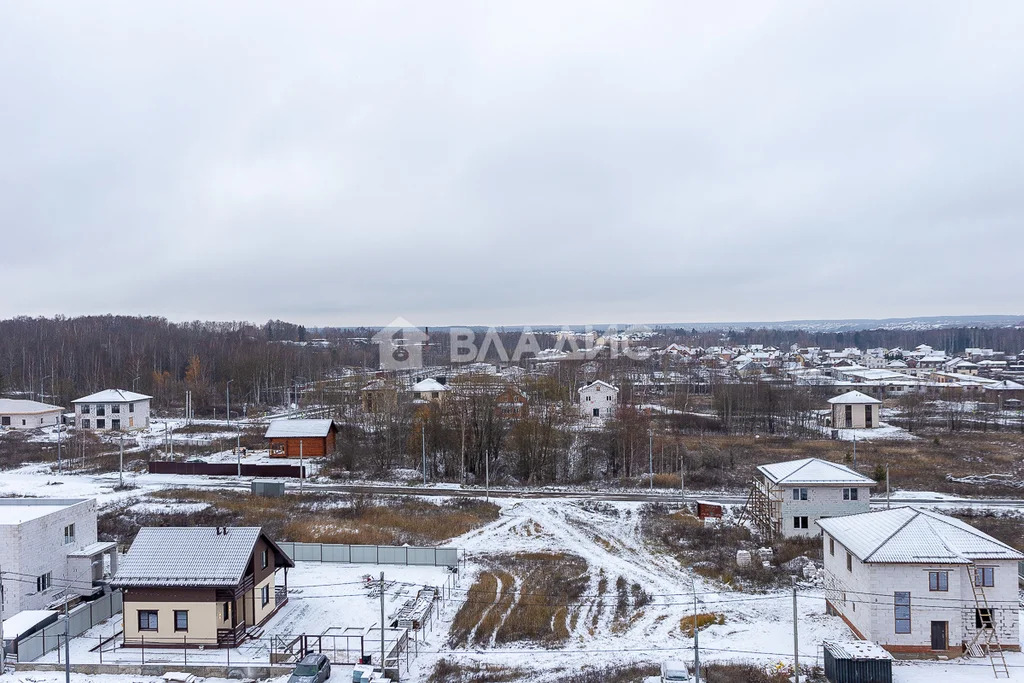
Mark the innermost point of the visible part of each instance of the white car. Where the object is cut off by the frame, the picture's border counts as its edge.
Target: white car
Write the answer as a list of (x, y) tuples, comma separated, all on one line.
[(674, 671)]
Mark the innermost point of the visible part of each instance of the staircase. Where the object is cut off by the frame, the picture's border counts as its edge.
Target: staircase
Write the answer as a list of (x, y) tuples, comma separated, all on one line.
[(986, 639)]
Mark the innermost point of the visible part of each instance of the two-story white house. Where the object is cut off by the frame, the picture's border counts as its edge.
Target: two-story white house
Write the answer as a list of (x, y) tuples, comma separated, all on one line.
[(855, 410), (787, 498), (598, 399), (112, 409), (48, 546), (920, 583)]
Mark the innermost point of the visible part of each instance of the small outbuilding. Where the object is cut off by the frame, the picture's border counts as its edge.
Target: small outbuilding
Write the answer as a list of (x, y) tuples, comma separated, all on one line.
[(301, 438), (855, 410), (858, 661), (16, 413)]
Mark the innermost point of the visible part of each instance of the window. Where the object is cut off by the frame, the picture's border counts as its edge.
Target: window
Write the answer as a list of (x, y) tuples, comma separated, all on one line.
[(101, 424), (607, 398), (131, 407), (181, 620), (901, 611), (436, 394), (5, 421), (265, 595), (227, 611), (85, 409), (985, 576), (589, 398), (265, 558), (147, 620), (849, 562), (44, 582), (101, 411), (116, 409), (799, 494), (115, 425), (85, 423), (867, 416), (938, 581), (597, 412), (849, 416), (850, 494), (831, 546), (69, 534), (983, 618), (799, 522), (131, 421)]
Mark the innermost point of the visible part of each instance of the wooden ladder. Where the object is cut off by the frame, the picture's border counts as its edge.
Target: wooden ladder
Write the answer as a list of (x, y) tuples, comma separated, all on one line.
[(986, 638)]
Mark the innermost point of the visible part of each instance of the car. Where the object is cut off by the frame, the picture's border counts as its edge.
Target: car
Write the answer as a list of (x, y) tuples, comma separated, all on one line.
[(674, 671), (312, 668)]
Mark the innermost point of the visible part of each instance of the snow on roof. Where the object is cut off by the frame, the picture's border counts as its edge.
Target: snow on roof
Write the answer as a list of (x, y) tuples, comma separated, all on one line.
[(912, 535), (189, 556), (853, 397), (25, 620), (856, 649), (112, 396), (279, 429), (22, 406), (598, 382), (94, 549), (813, 471), (20, 510), (1005, 385), (429, 384)]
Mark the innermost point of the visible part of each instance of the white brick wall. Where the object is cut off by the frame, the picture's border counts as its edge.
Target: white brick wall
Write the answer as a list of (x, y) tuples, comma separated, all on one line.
[(139, 419), (598, 397), (822, 501)]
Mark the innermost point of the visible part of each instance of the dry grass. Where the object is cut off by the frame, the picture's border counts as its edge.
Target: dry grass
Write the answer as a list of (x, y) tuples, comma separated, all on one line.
[(479, 598), (312, 518), (703, 620), (495, 615), (446, 671)]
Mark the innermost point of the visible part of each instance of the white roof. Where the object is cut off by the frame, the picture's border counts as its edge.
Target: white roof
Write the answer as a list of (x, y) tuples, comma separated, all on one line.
[(813, 471), (856, 649), (94, 549), (598, 382), (912, 535), (1005, 385), (189, 556), (112, 396), (21, 622), (298, 428), (22, 406), (853, 397), (20, 510), (429, 384)]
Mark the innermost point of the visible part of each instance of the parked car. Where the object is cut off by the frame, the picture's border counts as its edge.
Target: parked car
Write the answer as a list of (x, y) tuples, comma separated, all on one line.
[(311, 669), (674, 671)]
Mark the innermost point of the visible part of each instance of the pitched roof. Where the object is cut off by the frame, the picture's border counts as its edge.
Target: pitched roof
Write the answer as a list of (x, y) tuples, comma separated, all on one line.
[(18, 405), (1004, 385), (112, 396), (813, 471), (597, 382), (191, 556), (912, 535), (429, 384), (853, 397), (279, 429)]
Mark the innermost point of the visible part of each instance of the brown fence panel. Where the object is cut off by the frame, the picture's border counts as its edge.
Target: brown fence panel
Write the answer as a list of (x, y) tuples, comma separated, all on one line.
[(224, 469)]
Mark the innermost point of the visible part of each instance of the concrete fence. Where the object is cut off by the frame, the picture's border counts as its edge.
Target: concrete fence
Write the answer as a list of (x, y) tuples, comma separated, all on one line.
[(80, 619), (372, 554)]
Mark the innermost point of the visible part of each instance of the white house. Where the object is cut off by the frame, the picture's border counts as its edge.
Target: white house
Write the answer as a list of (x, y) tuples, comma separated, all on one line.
[(598, 399), (49, 546), (114, 409), (429, 390), (855, 410), (787, 498), (919, 583), (17, 413)]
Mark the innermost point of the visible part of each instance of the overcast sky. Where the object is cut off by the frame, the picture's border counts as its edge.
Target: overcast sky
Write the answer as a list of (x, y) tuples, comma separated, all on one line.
[(512, 162)]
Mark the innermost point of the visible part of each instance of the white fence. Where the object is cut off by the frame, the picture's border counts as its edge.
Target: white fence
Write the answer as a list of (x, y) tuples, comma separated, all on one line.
[(82, 618), (372, 554)]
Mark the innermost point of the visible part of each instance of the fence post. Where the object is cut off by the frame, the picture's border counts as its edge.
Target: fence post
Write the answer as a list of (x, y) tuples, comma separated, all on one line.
[(143, 637), (101, 649), (184, 649), (377, 559), (58, 648)]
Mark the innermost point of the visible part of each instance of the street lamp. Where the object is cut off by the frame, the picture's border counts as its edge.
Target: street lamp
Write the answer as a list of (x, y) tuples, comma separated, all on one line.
[(229, 400)]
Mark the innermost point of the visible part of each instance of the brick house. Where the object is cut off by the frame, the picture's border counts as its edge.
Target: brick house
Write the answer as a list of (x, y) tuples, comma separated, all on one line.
[(598, 399), (921, 584)]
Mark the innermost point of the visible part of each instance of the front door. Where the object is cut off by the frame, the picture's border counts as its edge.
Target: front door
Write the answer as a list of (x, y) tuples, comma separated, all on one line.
[(939, 635), (597, 412)]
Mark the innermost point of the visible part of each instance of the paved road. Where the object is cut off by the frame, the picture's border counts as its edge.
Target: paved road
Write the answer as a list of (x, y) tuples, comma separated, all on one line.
[(605, 495)]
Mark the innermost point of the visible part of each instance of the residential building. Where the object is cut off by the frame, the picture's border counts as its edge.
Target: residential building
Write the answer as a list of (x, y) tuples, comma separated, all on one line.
[(787, 498), (16, 413), (112, 409), (512, 403), (49, 551), (199, 586), (379, 395), (855, 410), (301, 438), (920, 583), (430, 389), (598, 399)]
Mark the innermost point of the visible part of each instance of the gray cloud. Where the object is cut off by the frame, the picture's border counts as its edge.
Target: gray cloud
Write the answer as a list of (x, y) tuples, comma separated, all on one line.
[(473, 163)]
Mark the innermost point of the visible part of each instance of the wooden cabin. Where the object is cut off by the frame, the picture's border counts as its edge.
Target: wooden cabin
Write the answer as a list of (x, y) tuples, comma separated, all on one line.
[(305, 438)]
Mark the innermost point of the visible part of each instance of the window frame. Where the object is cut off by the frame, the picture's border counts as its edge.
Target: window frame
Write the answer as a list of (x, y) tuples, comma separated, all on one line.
[(898, 605), (801, 493), (44, 582), (155, 614), (938, 581), (980, 574), (69, 534), (849, 561), (801, 522), (178, 613), (851, 493), (831, 546), (265, 558), (265, 596)]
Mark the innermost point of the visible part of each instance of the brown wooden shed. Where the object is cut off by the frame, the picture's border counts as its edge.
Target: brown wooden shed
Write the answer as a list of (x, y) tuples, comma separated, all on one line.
[(315, 436)]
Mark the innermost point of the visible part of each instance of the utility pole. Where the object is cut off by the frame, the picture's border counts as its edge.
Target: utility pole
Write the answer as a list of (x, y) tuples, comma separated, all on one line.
[(58, 446), (696, 637), (796, 639), (423, 441), (650, 458), (302, 468), (3, 650), (854, 456), (238, 451), (886, 486), (487, 475), (382, 622), (229, 401), (120, 467), (67, 639)]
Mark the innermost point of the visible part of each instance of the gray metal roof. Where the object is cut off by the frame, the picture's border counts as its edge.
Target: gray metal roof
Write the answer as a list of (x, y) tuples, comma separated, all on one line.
[(813, 471), (298, 428), (909, 535), (189, 556)]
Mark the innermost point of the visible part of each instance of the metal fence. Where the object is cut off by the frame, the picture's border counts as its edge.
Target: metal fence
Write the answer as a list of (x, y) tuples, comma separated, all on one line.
[(372, 554), (227, 469), (80, 619)]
